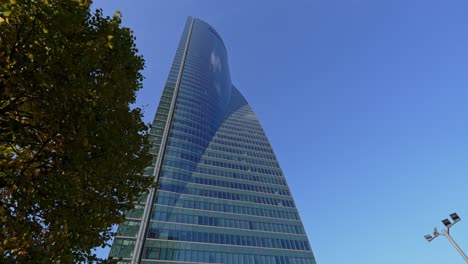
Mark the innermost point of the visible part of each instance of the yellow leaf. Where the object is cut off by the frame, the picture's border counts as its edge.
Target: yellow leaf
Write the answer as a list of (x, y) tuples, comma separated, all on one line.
[(45, 30), (6, 13), (109, 37)]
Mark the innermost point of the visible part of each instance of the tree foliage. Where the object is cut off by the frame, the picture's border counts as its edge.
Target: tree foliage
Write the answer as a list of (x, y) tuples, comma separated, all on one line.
[(71, 147)]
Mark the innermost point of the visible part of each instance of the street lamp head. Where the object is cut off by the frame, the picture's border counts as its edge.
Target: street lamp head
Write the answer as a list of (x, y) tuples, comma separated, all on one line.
[(429, 238), (445, 232), (447, 223), (455, 217)]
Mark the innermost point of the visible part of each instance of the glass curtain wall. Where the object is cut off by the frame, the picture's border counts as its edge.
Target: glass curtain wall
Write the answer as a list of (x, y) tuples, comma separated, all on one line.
[(221, 196)]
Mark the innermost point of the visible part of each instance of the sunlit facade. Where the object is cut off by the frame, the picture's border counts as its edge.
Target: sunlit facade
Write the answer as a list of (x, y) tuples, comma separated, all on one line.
[(221, 196)]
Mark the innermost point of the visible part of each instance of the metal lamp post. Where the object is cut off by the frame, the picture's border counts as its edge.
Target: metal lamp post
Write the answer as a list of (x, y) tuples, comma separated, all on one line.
[(446, 233)]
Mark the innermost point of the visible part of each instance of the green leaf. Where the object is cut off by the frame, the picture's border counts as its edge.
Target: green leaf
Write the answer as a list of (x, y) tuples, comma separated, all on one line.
[(68, 138)]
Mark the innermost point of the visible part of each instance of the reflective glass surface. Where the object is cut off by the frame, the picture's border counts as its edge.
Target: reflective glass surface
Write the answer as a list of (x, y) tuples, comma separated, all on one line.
[(221, 195)]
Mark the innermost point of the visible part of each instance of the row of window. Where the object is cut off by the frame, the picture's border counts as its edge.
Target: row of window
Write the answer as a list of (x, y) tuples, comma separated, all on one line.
[(205, 93), (241, 167), (205, 141), (196, 63), (168, 90), (238, 127), (224, 222), (242, 159), (192, 77), (155, 144), (252, 214), (199, 111), (218, 173), (129, 228), (190, 107), (260, 142), (262, 155), (193, 190), (122, 247), (163, 111), (227, 239), (155, 136), (200, 126), (180, 164), (203, 96), (208, 138), (155, 141), (226, 184), (231, 129), (172, 78), (187, 137), (251, 123), (200, 118), (172, 199), (194, 167), (200, 149), (240, 175), (154, 130), (238, 144), (196, 159), (199, 75), (174, 71), (160, 117), (241, 130), (136, 212), (197, 150), (245, 115), (161, 253), (157, 127)]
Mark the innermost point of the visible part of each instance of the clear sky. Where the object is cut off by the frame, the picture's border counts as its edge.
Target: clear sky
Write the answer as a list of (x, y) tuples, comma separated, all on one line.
[(364, 102)]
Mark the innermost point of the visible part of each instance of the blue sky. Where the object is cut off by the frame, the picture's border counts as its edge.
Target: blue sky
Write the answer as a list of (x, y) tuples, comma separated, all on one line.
[(364, 102)]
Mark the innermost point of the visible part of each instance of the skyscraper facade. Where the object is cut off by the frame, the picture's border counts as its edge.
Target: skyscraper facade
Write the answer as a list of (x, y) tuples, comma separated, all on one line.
[(220, 194)]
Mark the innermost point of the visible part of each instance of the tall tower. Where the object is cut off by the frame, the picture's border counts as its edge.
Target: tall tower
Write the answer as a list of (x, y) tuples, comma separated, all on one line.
[(221, 196)]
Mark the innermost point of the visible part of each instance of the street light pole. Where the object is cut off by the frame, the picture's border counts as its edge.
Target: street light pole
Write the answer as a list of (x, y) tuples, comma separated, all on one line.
[(446, 233)]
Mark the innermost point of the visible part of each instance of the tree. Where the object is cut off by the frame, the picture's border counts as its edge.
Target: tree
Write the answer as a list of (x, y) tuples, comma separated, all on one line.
[(72, 150)]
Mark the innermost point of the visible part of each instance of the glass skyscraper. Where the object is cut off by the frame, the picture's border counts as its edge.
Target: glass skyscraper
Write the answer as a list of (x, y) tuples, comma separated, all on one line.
[(220, 196)]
